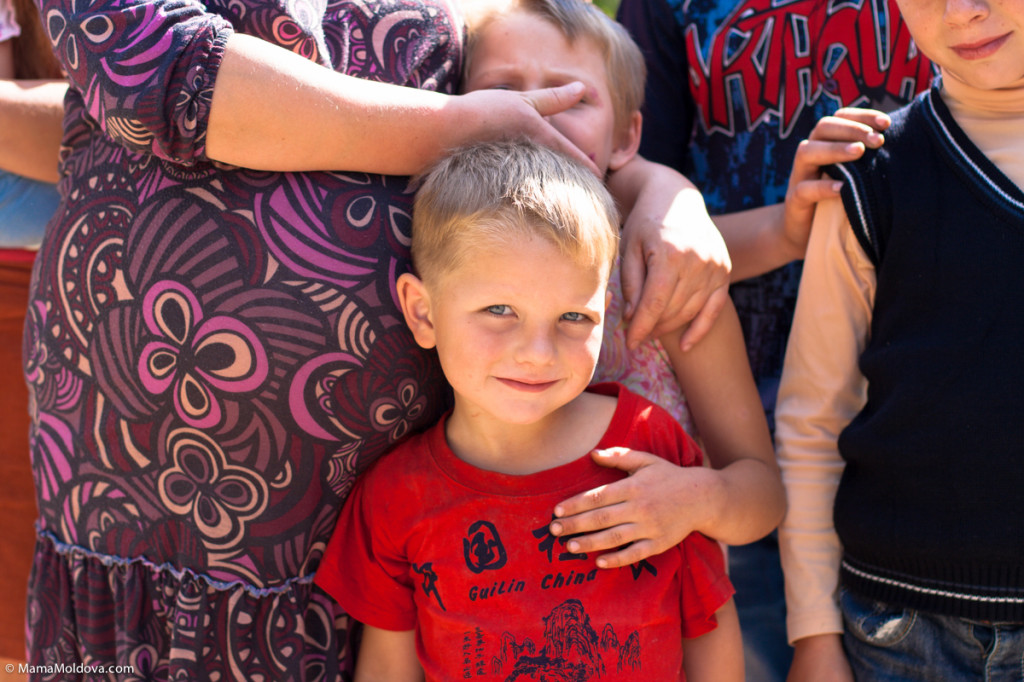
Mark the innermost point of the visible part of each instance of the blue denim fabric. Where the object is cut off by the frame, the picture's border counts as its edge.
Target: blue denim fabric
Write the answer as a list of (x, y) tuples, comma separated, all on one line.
[(25, 208), (887, 643), (756, 574)]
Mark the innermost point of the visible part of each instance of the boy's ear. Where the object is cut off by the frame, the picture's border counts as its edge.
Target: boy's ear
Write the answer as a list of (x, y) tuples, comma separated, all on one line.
[(627, 142), (415, 303)]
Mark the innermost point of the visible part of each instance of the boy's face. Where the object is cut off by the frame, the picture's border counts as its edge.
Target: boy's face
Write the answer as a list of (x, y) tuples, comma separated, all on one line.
[(517, 328), (521, 51), (980, 42)]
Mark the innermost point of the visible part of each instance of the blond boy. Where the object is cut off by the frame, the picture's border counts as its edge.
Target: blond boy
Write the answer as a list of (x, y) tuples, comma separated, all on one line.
[(444, 549)]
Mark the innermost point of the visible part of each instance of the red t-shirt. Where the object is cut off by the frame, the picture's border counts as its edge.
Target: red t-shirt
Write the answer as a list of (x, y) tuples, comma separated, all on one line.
[(464, 557)]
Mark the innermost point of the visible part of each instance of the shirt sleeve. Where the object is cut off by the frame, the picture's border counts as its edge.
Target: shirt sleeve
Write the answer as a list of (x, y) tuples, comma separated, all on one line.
[(821, 391), (362, 570), (144, 69), (668, 107), (705, 584)]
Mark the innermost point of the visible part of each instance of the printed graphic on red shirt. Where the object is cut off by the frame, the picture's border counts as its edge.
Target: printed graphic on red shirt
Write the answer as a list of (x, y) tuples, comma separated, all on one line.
[(574, 646), (572, 650)]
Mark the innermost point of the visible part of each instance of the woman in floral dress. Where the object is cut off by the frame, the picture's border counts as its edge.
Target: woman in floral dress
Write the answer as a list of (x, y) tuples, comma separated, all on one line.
[(213, 345)]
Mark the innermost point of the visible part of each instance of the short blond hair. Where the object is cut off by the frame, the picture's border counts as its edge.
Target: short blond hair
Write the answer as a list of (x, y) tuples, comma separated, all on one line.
[(576, 19), (495, 192)]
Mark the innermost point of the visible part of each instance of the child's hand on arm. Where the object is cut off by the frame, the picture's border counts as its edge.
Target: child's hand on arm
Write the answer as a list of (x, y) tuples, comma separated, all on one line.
[(768, 237), (652, 510), (838, 138), (738, 501), (388, 656), (675, 265), (716, 656), (819, 658)]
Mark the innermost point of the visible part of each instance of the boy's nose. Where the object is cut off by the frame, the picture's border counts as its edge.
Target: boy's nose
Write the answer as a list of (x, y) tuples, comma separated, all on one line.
[(963, 12), (536, 346)]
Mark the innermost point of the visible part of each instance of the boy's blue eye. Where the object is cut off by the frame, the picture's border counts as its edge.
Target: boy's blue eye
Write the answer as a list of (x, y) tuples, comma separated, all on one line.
[(574, 317), (499, 309)]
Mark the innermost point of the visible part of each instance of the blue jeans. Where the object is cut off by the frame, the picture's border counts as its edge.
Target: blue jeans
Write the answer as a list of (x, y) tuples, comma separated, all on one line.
[(761, 603), (886, 643)]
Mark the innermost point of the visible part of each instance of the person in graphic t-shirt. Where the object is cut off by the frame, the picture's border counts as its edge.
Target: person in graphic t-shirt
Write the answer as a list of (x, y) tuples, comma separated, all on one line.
[(444, 549)]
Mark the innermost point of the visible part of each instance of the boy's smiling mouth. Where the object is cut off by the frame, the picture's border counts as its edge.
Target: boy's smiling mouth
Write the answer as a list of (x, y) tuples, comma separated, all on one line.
[(527, 385), (980, 49)]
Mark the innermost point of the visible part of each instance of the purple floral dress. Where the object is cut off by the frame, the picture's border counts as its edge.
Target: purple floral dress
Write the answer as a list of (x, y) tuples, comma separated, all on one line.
[(211, 351)]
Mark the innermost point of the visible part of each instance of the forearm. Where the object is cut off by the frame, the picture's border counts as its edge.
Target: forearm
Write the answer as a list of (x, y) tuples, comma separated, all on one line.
[(821, 391), (747, 502), (718, 655), (675, 265), (274, 110), (746, 499), (32, 113), (756, 240), (641, 177)]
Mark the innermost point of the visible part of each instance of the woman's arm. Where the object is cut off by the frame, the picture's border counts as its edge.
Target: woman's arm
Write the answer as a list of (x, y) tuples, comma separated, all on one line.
[(178, 82), (275, 110), (32, 112), (388, 656)]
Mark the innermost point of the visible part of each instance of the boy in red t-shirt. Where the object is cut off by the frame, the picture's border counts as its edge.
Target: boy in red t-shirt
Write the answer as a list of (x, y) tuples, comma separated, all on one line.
[(444, 549)]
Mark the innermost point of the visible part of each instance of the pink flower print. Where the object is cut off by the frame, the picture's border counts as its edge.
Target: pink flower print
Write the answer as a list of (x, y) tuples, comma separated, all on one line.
[(196, 357), (219, 497), (396, 414)]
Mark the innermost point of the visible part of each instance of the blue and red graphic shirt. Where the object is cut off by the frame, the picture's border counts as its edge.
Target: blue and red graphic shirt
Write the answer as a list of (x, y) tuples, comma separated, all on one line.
[(734, 87)]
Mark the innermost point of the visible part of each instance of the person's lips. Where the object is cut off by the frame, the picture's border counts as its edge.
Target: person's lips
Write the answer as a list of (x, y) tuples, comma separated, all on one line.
[(527, 385), (980, 49)]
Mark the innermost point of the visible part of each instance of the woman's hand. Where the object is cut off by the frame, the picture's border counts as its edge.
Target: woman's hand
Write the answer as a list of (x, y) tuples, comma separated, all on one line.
[(648, 512), (510, 114), (275, 110), (675, 265), (838, 138)]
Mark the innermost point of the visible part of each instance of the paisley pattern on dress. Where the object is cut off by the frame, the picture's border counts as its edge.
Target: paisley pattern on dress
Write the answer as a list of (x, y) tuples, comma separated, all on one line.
[(213, 352)]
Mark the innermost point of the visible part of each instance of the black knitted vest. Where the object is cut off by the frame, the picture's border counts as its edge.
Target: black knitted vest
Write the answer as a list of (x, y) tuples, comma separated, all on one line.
[(930, 509)]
